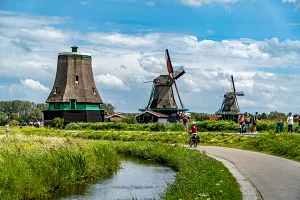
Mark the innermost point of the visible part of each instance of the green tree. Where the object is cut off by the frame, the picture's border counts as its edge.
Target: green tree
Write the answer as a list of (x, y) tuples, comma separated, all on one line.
[(14, 116), (130, 119), (109, 108), (3, 118), (24, 110), (264, 116), (36, 115), (200, 116), (276, 115)]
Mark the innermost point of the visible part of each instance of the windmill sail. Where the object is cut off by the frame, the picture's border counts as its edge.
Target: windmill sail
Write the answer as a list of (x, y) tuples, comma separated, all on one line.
[(230, 107), (168, 62)]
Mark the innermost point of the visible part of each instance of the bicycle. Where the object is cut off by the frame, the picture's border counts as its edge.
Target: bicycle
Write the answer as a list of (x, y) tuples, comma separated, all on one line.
[(194, 141)]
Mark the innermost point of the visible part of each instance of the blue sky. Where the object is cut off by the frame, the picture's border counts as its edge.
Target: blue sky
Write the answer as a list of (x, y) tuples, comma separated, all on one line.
[(244, 19), (256, 40)]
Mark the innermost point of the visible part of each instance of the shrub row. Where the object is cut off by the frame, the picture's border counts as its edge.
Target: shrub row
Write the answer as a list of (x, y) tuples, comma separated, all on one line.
[(125, 126), (203, 126)]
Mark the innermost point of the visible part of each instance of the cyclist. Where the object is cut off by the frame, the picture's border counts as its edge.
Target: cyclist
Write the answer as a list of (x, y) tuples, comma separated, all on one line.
[(194, 132)]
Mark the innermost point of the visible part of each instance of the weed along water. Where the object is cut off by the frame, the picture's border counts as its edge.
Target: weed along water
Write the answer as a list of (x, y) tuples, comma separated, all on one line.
[(137, 179)]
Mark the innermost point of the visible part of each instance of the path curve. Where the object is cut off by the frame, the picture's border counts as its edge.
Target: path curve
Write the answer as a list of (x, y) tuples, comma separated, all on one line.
[(276, 178)]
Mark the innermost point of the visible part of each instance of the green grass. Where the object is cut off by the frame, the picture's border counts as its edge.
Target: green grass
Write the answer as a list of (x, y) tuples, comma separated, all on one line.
[(33, 167), (198, 177), (284, 145)]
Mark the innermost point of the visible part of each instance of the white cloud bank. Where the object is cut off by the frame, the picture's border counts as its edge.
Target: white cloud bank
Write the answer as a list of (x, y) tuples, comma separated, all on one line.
[(296, 2), (110, 81), (85, 2), (34, 85), (267, 71)]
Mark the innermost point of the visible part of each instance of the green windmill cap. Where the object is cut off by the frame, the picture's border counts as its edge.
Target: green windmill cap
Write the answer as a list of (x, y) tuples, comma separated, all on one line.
[(74, 48)]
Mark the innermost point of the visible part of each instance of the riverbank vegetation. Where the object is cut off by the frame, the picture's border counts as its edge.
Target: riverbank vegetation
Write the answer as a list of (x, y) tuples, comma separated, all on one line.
[(202, 126), (285, 144), (33, 166), (198, 177)]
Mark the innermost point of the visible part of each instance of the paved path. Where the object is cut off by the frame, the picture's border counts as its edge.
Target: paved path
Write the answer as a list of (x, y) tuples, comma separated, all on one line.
[(2, 136), (276, 178)]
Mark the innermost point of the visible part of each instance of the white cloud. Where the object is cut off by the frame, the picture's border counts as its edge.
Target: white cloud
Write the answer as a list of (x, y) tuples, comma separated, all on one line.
[(34, 85), (228, 9), (296, 2), (150, 3), (110, 81), (123, 62), (209, 32), (85, 2), (201, 2), (9, 18)]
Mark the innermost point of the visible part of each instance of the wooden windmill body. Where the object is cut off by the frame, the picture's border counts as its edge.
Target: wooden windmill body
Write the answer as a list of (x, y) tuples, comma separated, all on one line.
[(74, 96), (162, 100), (230, 107)]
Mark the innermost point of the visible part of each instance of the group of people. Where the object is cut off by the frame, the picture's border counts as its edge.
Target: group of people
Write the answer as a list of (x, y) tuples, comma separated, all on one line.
[(246, 122)]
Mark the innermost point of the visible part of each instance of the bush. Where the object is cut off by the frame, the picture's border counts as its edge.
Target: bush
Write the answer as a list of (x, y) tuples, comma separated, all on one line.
[(13, 123), (58, 123), (202, 126), (130, 119)]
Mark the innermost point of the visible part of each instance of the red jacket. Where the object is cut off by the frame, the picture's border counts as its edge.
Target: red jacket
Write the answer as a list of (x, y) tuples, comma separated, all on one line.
[(194, 129)]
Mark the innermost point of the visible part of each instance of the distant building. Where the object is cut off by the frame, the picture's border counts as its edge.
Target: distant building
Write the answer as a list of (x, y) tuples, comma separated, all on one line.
[(74, 96), (116, 117), (152, 116)]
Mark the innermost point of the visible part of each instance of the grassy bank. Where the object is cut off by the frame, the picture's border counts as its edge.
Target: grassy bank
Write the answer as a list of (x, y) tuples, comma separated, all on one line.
[(198, 177), (284, 145), (33, 167)]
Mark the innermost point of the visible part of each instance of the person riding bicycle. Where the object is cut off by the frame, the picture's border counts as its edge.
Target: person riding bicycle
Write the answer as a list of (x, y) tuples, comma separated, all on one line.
[(194, 131)]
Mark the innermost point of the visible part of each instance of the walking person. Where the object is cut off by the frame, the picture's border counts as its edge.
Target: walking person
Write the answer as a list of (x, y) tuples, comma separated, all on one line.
[(254, 122), (242, 122), (247, 123), (7, 128), (290, 121), (185, 123)]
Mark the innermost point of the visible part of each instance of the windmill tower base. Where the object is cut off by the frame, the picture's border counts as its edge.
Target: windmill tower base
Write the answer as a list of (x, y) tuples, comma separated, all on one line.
[(165, 116), (228, 116), (73, 116)]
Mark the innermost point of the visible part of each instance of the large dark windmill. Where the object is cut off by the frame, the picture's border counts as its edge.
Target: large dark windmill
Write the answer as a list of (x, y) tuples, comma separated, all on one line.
[(230, 107), (74, 96), (162, 101)]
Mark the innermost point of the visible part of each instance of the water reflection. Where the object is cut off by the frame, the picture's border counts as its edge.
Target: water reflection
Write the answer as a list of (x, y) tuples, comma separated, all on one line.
[(135, 180)]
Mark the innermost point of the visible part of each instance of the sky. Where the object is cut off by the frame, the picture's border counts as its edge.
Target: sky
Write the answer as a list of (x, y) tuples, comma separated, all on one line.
[(256, 41)]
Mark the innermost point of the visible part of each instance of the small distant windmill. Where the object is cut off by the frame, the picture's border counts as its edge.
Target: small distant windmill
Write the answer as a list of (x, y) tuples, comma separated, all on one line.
[(230, 107), (162, 98)]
